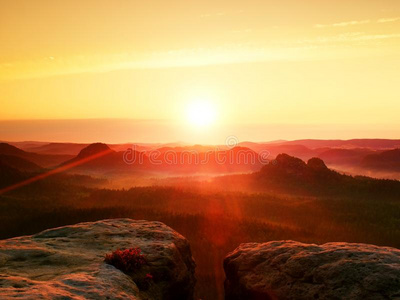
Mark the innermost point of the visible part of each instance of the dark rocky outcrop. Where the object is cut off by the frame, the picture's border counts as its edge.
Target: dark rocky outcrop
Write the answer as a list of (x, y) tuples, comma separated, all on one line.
[(94, 149), (99, 157), (68, 263), (293, 270), (286, 165), (317, 164), (288, 172)]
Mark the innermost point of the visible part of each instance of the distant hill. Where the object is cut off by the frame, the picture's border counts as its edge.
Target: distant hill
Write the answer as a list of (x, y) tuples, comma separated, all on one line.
[(75, 148), (136, 147), (331, 156), (8, 149), (300, 151), (206, 159), (333, 152), (25, 144), (43, 160), (9, 175), (385, 161), (351, 157), (19, 163), (353, 143), (184, 160), (58, 148), (17, 173), (195, 148), (292, 172), (99, 157), (346, 155), (94, 149), (289, 174), (95, 156)]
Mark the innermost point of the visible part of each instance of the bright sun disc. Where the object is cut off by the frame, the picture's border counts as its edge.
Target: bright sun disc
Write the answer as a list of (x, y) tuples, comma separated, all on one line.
[(201, 113)]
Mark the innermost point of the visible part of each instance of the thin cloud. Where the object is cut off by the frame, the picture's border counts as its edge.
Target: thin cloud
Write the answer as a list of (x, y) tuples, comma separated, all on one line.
[(221, 14), (357, 36), (218, 14), (388, 20), (378, 37), (185, 57), (291, 50), (248, 30), (348, 38), (343, 24), (357, 22)]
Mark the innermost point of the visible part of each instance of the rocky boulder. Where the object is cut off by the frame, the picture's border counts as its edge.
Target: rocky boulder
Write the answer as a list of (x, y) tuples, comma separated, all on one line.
[(68, 263), (293, 270)]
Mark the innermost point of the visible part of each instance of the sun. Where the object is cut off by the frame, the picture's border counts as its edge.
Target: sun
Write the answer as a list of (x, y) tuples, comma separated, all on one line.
[(201, 112)]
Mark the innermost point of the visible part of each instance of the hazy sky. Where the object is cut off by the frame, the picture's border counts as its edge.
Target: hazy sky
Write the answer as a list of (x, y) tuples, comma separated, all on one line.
[(300, 68)]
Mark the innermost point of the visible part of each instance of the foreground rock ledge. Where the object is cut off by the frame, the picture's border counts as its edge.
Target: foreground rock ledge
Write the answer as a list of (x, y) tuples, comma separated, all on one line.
[(293, 270), (68, 262)]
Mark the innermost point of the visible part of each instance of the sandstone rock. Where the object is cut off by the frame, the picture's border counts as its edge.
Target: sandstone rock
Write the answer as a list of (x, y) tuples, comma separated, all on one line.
[(293, 270), (68, 263)]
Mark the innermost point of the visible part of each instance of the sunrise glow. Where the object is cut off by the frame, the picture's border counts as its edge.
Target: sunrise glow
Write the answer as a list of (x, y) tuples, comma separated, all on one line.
[(140, 71), (201, 113), (214, 150)]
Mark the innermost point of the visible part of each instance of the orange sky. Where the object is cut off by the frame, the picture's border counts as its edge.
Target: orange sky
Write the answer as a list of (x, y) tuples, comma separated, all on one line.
[(271, 69)]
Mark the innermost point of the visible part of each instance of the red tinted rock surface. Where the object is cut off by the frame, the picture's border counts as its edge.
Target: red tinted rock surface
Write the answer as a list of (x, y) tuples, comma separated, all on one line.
[(69, 262), (293, 270)]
